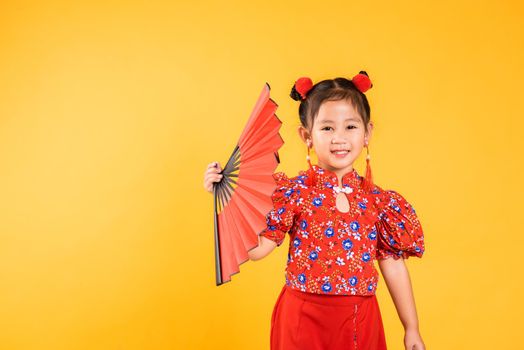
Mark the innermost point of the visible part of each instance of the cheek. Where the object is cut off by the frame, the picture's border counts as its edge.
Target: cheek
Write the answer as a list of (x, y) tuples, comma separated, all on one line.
[(319, 139), (358, 142), (321, 145)]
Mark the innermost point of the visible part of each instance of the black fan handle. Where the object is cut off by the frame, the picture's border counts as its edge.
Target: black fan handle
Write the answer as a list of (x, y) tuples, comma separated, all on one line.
[(218, 267)]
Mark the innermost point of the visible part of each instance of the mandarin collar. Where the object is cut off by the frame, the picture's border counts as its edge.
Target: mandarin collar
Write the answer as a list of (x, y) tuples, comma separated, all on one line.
[(329, 178)]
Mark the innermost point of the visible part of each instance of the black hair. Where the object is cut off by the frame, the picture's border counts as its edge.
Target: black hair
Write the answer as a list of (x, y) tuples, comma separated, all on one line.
[(331, 90)]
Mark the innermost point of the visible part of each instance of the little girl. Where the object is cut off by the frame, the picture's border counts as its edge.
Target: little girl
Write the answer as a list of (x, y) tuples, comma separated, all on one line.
[(339, 223)]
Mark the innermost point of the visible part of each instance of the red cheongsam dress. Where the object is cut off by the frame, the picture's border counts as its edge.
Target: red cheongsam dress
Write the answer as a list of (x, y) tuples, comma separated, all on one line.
[(328, 301)]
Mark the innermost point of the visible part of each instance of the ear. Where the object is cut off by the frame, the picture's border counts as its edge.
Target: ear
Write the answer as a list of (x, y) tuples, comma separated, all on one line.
[(368, 134), (304, 134)]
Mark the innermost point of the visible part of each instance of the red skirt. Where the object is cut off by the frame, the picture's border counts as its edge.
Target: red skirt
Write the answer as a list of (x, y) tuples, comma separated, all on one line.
[(307, 321)]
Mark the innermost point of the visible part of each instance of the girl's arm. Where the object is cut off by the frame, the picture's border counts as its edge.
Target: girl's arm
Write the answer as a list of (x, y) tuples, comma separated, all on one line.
[(265, 246), (397, 279)]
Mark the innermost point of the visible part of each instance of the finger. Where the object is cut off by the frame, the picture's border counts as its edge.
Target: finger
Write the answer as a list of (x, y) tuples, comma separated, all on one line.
[(213, 165), (212, 178), (212, 171)]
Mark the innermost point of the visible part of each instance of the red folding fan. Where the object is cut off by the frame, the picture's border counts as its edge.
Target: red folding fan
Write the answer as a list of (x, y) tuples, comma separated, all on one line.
[(242, 198)]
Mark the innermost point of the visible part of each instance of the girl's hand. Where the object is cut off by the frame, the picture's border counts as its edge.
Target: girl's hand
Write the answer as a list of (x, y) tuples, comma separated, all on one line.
[(212, 175), (413, 340)]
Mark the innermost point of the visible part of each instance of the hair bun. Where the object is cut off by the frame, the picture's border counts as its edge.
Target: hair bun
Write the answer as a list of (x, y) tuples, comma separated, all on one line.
[(362, 81), (300, 88)]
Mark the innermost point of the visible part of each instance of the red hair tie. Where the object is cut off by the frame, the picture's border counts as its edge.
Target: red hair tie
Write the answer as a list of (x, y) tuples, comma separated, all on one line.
[(362, 82), (303, 85)]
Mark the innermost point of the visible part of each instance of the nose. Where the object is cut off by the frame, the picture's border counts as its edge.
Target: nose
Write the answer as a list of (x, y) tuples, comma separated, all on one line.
[(338, 138)]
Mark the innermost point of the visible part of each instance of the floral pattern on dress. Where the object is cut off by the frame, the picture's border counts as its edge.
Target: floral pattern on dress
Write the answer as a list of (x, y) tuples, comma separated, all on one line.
[(333, 252)]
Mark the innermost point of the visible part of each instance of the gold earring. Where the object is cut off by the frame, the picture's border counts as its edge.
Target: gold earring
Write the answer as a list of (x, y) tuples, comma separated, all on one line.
[(308, 157), (368, 185)]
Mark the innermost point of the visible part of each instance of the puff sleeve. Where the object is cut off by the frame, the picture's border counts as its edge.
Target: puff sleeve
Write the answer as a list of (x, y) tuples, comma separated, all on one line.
[(399, 231), (281, 218)]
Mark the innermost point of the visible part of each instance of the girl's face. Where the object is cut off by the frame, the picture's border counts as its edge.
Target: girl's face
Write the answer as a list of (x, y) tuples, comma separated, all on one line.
[(338, 126)]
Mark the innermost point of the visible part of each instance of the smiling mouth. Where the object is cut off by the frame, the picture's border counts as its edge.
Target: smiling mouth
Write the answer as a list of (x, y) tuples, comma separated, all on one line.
[(340, 152)]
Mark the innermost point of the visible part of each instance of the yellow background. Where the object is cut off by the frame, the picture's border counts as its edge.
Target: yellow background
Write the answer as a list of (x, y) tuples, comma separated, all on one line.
[(111, 110)]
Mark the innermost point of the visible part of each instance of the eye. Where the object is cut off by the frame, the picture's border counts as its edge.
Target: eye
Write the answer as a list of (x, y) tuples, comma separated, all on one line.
[(326, 127), (352, 127)]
